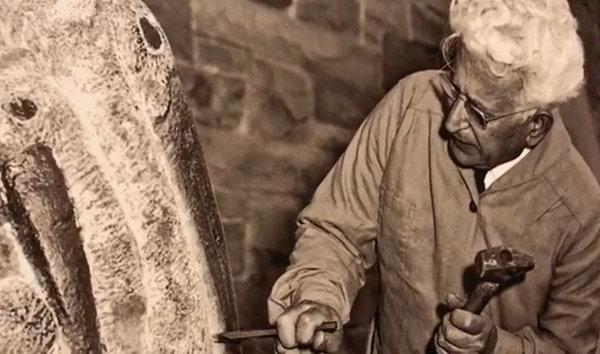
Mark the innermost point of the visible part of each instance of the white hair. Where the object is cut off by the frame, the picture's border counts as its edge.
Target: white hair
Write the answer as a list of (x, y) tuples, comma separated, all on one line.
[(535, 39)]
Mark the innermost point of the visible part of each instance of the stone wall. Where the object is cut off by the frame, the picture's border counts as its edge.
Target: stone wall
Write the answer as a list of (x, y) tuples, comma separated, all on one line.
[(588, 14), (278, 88)]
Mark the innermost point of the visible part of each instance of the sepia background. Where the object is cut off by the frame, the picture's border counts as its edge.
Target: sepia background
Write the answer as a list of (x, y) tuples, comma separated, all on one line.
[(279, 86)]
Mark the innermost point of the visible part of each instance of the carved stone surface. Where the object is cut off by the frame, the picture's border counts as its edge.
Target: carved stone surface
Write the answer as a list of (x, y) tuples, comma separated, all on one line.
[(110, 239)]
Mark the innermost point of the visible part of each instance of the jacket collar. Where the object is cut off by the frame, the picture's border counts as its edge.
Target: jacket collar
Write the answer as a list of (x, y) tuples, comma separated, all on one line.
[(541, 158)]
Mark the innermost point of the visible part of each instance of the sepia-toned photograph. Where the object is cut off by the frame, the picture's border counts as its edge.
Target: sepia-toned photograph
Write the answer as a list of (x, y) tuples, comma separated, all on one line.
[(300, 176)]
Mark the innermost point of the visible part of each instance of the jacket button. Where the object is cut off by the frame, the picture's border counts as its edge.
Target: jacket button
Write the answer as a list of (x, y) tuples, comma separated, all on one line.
[(472, 207)]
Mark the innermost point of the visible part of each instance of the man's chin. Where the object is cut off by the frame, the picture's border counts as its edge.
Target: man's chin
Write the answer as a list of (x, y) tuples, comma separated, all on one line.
[(463, 159)]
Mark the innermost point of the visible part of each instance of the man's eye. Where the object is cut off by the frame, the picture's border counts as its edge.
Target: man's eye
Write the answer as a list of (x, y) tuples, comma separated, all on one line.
[(478, 111)]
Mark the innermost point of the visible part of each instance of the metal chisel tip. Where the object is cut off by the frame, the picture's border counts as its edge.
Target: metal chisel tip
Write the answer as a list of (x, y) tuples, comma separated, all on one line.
[(235, 337)]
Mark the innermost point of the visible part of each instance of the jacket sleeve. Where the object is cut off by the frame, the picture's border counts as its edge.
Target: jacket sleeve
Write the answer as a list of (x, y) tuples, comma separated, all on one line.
[(570, 322), (336, 231)]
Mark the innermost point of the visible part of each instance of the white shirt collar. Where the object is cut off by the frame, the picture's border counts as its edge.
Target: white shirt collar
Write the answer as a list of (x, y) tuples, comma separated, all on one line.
[(495, 173)]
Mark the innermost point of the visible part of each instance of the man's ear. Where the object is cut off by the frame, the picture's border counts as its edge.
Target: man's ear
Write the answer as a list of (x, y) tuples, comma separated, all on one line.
[(539, 125)]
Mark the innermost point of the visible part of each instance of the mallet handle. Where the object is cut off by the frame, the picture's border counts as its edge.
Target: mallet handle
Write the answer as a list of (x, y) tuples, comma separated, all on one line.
[(481, 296)]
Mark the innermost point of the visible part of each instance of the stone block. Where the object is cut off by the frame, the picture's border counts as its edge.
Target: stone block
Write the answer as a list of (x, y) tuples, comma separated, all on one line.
[(278, 4), (360, 67), (235, 238), (274, 220), (294, 86), (340, 103), (215, 99), (409, 33), (246, 24), (175, 18), (587, 13), (404, 57), (281, 97), (429, 21), (381, 17), (221, 55), (333, 15), (372, 31), (271, 117), (238, 162), (322, 135), (268, 34), (252, 294), (231, 205), (227, 99), (387, 12)]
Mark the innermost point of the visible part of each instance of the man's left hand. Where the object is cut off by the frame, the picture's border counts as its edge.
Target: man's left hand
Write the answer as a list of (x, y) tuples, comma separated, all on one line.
[(464, 332)]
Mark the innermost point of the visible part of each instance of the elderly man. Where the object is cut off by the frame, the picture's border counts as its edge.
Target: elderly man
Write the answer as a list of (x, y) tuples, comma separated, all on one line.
[(449, 163)]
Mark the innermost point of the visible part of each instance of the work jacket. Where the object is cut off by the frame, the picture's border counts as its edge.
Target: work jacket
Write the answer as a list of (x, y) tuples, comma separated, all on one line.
[(396, 197)]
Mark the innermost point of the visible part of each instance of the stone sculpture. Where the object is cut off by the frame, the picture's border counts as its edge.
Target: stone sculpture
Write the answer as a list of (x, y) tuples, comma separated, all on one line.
[(110, 239)]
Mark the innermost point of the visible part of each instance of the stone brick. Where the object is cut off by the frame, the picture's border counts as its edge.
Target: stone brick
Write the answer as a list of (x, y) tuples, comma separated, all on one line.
[(282, 39), (381, 17), (404, 57), (247, 163), (179, 32), (279, 98), (587, 13), (252, 294), (334, 15), (229, 20), (578, 118), (274, 219), (341, 104), (428, 22), (278, 4), (235, 238), (216, 100), (272, 118), (388, 12), (360, 68), (221, 55), (409, 33), (372, 31), (227, 99), (269, 245), (232, 205), (322, 135), (294, 87), (201, 91)]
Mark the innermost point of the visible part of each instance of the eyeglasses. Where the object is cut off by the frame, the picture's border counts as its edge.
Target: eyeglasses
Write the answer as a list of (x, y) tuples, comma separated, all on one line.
[(476, 115)]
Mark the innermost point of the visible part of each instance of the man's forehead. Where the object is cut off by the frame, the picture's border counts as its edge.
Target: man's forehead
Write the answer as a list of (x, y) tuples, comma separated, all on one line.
[(496, 94)]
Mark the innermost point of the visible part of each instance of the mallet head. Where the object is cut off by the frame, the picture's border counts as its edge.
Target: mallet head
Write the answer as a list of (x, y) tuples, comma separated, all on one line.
[(502, 264)]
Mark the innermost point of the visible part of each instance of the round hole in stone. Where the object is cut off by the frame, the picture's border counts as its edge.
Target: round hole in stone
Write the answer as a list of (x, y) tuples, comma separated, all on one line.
[(21, 108), (150, 33)]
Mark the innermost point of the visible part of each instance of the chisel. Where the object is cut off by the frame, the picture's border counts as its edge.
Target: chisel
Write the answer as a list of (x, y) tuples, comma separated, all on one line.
[(235, 337)]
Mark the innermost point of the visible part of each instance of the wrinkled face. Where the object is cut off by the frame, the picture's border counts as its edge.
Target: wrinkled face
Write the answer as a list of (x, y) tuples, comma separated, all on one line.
[(501, 140)]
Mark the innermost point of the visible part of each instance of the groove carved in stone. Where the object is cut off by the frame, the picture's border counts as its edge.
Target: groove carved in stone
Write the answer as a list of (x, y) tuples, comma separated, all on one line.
[(110, 239)]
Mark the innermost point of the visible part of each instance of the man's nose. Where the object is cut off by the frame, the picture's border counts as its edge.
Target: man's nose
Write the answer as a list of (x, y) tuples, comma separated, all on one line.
[(457, 118)]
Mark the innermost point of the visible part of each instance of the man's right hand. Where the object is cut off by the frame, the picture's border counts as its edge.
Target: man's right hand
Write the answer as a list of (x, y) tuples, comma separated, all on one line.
[(296, 328)]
